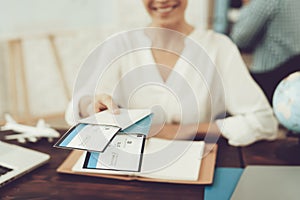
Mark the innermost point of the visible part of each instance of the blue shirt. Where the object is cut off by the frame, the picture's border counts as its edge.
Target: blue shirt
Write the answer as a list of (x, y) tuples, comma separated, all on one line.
[(272, 29)]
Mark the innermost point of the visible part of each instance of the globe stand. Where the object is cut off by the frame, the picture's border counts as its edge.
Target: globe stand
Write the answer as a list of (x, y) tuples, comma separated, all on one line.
[(290, 151)]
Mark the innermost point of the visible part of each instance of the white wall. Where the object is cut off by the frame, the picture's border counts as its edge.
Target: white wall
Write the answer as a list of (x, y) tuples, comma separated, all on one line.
[(84, 23), (32, 16), (18, 17), (3, 88)]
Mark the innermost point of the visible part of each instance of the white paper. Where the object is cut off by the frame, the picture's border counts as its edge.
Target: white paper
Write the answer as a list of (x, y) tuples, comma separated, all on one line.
[(183, 164), (93, 137), (126, 118)]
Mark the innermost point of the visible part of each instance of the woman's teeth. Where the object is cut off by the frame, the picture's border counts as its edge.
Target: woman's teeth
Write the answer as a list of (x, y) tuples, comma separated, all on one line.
[(164, 10)]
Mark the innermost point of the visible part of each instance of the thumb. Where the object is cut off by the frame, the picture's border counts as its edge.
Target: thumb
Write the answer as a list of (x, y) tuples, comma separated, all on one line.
[(108, 102)]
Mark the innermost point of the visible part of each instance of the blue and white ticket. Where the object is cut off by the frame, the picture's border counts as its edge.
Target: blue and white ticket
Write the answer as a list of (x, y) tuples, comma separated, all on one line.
[(124, 153), (88, 137)]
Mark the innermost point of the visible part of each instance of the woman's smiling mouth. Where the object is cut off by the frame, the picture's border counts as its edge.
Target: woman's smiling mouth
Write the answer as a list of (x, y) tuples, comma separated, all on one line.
[(165, 9)]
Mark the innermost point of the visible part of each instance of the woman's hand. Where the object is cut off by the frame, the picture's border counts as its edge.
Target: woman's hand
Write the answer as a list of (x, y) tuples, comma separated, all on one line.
[(101, 102), (105, 102)]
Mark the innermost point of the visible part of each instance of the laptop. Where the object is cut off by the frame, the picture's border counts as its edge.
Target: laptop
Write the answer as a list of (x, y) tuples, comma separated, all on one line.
[(16, 161), (268, 182)]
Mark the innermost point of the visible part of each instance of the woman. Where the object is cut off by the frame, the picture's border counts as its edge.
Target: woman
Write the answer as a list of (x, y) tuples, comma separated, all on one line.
[(187, 107)]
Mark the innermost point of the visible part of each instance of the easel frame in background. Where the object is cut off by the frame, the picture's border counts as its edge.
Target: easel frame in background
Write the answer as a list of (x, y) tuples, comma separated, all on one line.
[(19, 106)]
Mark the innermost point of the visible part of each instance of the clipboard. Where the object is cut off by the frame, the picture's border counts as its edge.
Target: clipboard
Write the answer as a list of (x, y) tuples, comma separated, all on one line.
[(206, 173)]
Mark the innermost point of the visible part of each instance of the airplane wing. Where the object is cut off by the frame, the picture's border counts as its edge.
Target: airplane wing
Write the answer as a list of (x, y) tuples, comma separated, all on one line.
[(21, 137), (9, 119)]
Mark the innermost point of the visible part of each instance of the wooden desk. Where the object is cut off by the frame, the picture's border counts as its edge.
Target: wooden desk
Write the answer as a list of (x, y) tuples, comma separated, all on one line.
[(45, 183), (271, 153)]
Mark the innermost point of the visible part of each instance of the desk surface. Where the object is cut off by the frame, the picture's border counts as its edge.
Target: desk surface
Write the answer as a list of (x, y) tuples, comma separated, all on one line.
[(272, 153), (46, 183)]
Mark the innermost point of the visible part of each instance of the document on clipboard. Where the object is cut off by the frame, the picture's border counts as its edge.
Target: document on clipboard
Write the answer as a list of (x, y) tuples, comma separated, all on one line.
[(74, 162)]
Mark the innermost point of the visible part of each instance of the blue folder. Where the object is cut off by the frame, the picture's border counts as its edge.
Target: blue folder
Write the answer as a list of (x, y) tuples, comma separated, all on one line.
[(225, 181), (141, 127)]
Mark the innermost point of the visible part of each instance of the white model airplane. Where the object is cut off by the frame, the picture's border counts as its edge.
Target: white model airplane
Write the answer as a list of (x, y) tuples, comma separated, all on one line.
[(29, 133)]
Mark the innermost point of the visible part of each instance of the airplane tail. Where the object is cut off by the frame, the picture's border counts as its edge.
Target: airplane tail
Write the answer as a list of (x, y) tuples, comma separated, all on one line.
[(9, 119)]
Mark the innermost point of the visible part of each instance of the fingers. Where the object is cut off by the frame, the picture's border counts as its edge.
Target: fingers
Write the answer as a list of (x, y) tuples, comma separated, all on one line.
[(103, 102)]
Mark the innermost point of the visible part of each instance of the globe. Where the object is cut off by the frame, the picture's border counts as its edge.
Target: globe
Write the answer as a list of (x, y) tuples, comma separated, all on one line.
[(286, 102)]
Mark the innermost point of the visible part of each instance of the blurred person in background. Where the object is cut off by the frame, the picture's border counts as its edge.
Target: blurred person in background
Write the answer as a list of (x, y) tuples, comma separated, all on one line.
[(269, 29)]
